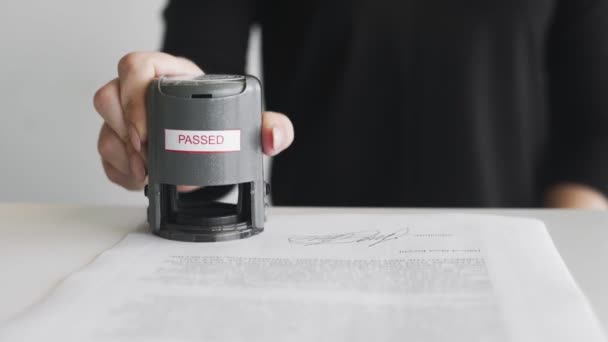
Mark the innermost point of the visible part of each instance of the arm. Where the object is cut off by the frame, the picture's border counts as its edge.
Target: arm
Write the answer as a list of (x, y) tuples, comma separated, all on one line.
[(576, 172)]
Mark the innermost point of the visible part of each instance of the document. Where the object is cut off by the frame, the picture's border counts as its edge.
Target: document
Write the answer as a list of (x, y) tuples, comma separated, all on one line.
[(451, 277)]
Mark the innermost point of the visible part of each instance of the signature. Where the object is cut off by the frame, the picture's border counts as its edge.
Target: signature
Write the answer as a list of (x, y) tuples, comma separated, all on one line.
[(372, 237)]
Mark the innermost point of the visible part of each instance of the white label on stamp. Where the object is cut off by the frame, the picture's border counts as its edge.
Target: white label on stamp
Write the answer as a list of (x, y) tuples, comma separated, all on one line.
[(202, 141)]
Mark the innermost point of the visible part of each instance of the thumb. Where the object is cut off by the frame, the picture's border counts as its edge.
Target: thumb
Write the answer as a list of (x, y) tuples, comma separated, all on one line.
[(277, 133)]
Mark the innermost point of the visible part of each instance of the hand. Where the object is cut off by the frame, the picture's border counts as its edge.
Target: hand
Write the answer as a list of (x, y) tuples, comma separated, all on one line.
[(122, 105), (575, 196)]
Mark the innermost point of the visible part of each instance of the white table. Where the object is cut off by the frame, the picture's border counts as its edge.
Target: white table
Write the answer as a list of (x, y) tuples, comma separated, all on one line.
[(42, 244)]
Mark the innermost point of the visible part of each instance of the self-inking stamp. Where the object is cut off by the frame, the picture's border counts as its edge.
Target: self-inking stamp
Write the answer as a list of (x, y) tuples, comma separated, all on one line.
[(205, 131)]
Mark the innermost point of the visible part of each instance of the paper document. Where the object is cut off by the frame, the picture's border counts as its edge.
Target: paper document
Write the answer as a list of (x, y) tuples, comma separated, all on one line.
[(325, 278)]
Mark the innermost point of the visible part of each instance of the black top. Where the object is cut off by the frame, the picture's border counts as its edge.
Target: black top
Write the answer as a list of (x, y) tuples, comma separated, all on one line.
[(420, 102)]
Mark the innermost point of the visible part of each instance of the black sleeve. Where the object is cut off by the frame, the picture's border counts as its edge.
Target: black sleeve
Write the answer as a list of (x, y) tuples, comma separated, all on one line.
[(212, 33), (578, 76)]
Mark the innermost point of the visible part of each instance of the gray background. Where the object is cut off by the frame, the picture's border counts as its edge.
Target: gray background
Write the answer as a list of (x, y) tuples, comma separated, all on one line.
[(53, 56)]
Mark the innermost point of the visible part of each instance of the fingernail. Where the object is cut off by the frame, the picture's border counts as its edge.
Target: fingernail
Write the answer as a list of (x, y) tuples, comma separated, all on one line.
[(134, 136), (277, 139), (137, 167)]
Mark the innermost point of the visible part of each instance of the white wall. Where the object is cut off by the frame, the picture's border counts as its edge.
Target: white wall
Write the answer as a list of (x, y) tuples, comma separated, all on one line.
[(53, 56)]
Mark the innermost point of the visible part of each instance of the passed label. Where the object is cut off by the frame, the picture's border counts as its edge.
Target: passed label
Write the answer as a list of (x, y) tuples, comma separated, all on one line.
[(202, 141)]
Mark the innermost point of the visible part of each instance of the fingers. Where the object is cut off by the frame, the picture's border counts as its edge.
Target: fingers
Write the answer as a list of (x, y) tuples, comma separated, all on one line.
[(136, 163), (122, 105), (112, 150), (187, 188), (121, 179), (135, 71), (121, 163), (107, 104), (277, 133)]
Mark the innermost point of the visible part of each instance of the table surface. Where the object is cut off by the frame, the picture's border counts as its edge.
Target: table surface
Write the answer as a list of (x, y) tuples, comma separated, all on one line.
[(41, 244)]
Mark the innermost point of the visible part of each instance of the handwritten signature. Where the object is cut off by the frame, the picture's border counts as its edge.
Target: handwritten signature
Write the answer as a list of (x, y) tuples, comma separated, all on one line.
[(374, 237)]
